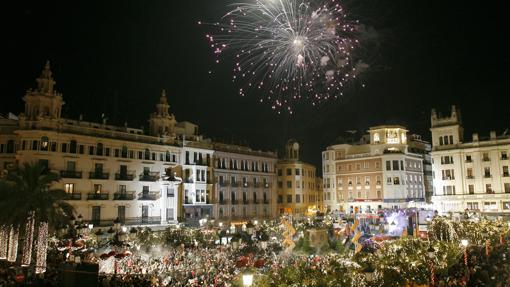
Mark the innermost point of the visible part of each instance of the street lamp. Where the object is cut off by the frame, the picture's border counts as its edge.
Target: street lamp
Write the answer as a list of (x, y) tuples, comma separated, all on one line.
[(247, 280)]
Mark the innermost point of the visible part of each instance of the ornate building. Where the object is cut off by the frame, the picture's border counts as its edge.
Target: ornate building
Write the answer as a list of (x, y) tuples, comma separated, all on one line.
[(154, 178), (297, 189), (384, 170), (472, 175), (244, 183)]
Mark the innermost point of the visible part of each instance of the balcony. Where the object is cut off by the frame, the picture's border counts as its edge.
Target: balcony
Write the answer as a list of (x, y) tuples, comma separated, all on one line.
[(151, 220), (123, 196), (97, 196), (224, 183), (124, 176), (234, 202), (504, 157), (70, 174), (153, 195), (468, 160), (99, 175), (149, 176), (73, 196)]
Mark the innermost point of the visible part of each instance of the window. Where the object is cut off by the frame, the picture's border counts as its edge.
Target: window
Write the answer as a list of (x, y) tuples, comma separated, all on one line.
[(124, 152), (506, 205), (147, 155), (280, 198), (298, 198), (468, 158), (379, 194), (358, 166), (98, 188), (63, 147), (487, 171), (289, 184), (280, 172), (449, 190), (488, 188), (505, 171), (377, 165), (289, 171), (388, 180), (91, 150), (441, 141), (289, 198), (280, 184), (472, 205), (298, 171), (507, 187), (395, 165), (504, 155), (471, 189), (72, 146), (367, 180), (396, 180), (388, 165), (349, 181), (469, 173), (45, 143), (378, 180), (69, 187), (485, 156), (490, 205)]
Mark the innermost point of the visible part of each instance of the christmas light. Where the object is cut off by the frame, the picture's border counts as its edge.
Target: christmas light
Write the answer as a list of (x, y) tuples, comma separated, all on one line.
[(42, 245), (27, 244), (4, 238), (12, 252)]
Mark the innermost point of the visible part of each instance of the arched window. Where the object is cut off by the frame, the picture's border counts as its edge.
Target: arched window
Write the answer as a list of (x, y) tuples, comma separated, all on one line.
[(72, 146), (45, 143), (147, 154), (99, 149), (377, 138), (124, 152), (10, 146)]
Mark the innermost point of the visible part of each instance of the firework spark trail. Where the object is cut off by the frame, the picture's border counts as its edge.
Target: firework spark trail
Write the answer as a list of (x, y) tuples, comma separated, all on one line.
[(289, 50)]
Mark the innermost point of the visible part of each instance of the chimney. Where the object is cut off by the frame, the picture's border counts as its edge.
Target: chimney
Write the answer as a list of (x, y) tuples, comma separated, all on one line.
[(475, 137), (493, 135)]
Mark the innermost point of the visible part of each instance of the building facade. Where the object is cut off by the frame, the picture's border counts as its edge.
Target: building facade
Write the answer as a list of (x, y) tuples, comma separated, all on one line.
[(244, 183), (297, 190), (380, 172), (469, 175)]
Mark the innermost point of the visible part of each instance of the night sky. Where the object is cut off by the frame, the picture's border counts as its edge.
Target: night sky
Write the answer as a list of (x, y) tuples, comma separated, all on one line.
[(114, 57)]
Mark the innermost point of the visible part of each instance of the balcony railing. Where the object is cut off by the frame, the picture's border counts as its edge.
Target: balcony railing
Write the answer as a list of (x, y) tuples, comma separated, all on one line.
[(504, 158), (70, 174), (234, 202), (506, 174), (153, 195), (124, 176), (255, 201), (99, 175), (234, 184), (73, 196), (265, 201), (245, 202), (257, 184), (123, 196), (224, 183), (150, 220), (468, 160), (97, 196), (487, 175), (486, 159), (149, 176)]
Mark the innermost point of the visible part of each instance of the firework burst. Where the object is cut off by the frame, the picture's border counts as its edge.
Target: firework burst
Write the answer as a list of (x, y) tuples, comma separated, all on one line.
[(289, 51)]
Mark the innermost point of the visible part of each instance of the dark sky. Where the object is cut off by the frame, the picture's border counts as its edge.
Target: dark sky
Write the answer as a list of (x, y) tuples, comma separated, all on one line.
[(114, 57)]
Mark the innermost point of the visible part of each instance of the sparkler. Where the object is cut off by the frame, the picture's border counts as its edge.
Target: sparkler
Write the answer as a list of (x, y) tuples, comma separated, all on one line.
[(289, 50)]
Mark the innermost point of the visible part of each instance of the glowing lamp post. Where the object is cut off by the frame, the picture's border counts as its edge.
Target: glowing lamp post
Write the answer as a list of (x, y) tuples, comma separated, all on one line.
[(247, 280)]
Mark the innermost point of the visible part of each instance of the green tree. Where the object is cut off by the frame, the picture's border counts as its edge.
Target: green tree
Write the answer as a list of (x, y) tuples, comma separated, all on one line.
[(27, 199)]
